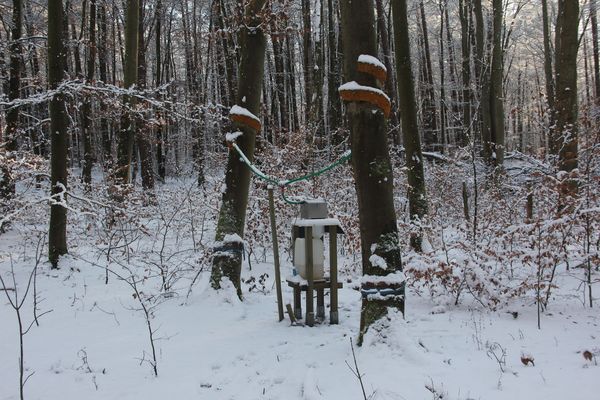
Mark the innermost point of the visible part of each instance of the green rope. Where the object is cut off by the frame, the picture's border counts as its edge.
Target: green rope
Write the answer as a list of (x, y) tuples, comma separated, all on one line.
[(342, 160)]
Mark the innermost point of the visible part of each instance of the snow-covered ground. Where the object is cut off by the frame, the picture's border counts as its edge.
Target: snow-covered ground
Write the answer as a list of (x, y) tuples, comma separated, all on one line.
[(209, 345), (214, 347)]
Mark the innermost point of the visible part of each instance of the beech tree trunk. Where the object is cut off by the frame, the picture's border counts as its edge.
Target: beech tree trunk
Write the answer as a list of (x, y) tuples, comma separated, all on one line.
[(371, 164), (126, 136), (464, 12), (567, 43), (417, 197), (496, 87), (309, 62), (431, 138), (86, 111), (142, 131), (548, 70), (483, 81), (14, 83), (57, 232), (596, 51), (227, 261)]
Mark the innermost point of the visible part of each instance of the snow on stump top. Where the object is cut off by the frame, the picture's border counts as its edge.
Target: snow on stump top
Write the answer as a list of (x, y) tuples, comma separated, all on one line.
[(372, 66), (352, 91), (244, 117)]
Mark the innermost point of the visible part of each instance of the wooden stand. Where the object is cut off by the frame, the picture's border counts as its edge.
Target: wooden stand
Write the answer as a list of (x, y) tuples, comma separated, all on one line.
[(310, 286), (318, 286)]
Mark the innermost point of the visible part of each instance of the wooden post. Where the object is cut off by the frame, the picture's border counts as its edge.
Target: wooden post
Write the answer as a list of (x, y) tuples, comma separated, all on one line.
[(333, 311), (465, 197), (275, 253), (529, 207), (321, 302), (290, 313), (308, 238), (298, 302)]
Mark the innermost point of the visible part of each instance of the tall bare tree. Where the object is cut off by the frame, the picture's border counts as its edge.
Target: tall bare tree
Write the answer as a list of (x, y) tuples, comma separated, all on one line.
[(496, 87), (14, 83), (57, 232), (227, 261), (86, 111), (417, 197), (126, 136), (566, 129)]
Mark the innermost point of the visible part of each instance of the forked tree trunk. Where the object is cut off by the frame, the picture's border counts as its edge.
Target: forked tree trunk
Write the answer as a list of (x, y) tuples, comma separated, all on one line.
[(417, 198), (227, 261), (371, 164), (57, 232)]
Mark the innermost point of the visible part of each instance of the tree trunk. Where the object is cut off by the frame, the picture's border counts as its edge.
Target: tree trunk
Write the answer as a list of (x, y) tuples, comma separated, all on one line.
[(496, 89), (142, 133), (464, 11), (160, 157), (372, 166), (567, 42), (309, 61), (483, 82), (14, 83), (125, 145), (86, 110), (548, 70), (596, 51), (227, 261), (334, 108), (431, 138), (103, 70), (417, 198), (57, 232), (390, 86)]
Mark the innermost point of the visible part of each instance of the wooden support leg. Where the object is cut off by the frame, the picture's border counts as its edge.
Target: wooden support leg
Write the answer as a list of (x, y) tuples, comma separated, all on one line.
[(297, 302), (310, 313), (333, 290), (321, 303)]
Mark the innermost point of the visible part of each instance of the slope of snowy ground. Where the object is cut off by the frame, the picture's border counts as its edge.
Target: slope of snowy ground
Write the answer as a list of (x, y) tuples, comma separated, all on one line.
[(94, 344)]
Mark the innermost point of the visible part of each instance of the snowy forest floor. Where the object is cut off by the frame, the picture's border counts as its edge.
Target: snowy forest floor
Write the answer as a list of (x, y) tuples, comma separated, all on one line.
[(209, 345)]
